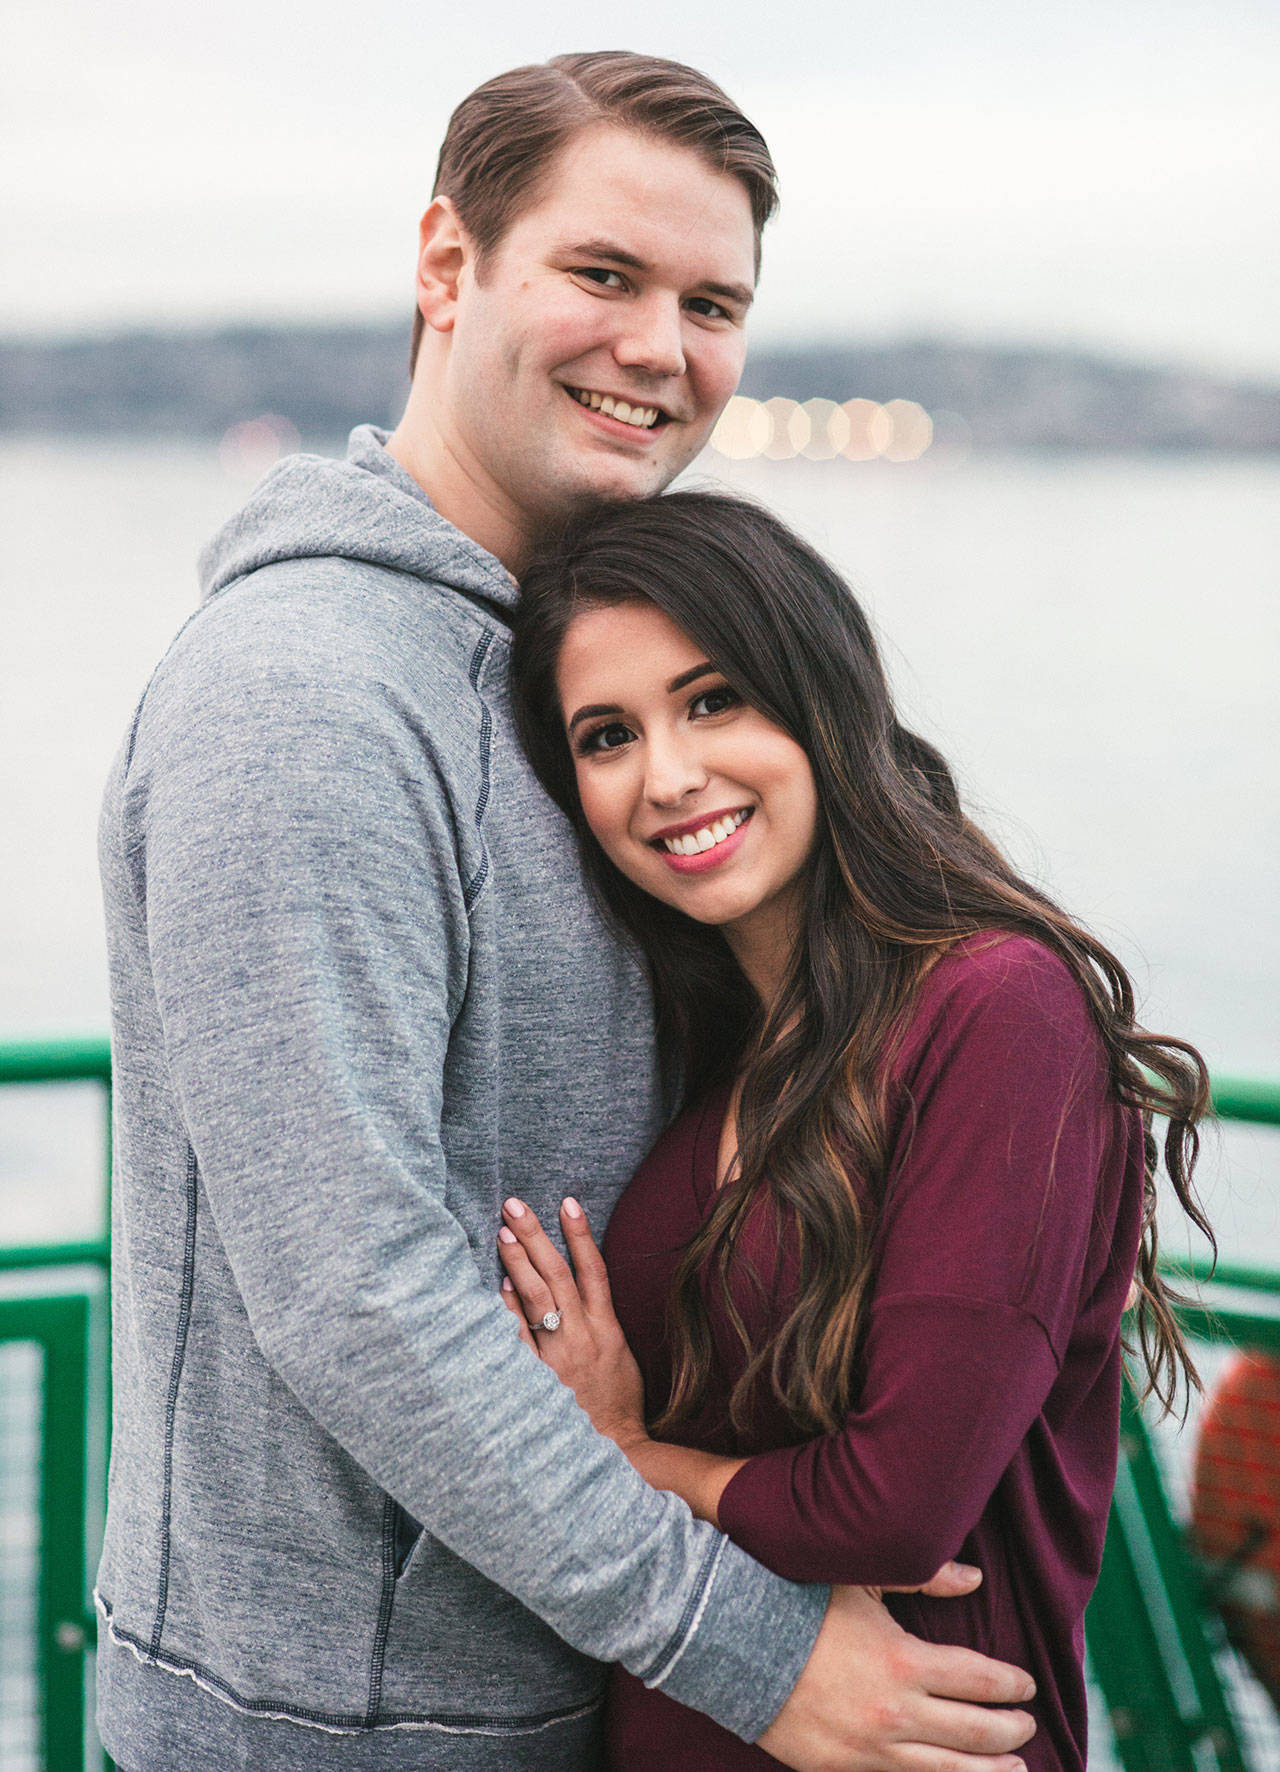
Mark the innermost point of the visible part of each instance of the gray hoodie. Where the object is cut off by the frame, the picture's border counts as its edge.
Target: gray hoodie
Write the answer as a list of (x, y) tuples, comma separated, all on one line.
[(359, 997)]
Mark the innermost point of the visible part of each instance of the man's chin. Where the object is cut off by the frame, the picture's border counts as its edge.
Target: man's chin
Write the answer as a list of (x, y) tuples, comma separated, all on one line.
[(605, 481), (586, 491)]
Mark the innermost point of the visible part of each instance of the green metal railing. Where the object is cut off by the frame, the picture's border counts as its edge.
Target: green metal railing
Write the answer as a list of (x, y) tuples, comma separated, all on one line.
[(1154, 1647), (60, 1329), (1158, 1649), (60, 1473)]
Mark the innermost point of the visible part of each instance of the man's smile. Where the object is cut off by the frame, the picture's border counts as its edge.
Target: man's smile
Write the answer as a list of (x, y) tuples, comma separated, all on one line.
[(625, 412)]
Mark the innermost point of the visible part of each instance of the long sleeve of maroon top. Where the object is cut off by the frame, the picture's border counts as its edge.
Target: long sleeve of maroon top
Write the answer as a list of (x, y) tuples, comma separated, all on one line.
[(1008, 1235)]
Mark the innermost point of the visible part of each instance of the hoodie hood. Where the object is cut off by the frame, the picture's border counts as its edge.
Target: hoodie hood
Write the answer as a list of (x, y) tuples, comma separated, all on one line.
[(366, 509)]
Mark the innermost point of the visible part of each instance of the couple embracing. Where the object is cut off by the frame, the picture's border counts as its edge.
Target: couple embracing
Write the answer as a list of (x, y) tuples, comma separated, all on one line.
[(448, 914)]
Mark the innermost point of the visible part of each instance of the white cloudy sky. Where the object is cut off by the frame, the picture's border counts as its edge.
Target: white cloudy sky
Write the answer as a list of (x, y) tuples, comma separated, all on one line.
[(1100, 172)]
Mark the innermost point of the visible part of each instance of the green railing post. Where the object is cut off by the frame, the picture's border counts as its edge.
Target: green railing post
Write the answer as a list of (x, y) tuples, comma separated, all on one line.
[(60, 1326)]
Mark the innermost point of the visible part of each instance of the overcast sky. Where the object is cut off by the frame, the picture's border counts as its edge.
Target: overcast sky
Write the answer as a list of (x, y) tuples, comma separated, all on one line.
[(1104, 173)]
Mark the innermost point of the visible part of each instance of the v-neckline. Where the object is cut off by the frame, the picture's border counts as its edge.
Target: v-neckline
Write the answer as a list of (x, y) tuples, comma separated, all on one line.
[(706, 1144)]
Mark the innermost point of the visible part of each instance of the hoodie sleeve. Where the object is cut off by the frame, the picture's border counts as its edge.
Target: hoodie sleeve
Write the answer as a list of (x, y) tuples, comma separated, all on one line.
[(294, 845)]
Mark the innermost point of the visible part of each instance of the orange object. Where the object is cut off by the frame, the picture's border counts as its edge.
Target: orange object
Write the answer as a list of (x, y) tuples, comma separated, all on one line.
[(1235, 1508)]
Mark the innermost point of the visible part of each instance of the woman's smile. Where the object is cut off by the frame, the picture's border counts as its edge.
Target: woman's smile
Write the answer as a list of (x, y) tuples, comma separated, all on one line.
[(695, 847)]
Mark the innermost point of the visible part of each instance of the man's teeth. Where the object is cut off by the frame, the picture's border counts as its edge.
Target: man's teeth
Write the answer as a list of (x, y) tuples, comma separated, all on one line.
[(694, 842), (640, 416)]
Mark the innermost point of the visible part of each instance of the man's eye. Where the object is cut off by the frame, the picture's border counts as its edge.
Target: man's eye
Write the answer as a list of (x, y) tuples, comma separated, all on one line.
[(605, 738), (715, 701), (710, 310), (598, 274)]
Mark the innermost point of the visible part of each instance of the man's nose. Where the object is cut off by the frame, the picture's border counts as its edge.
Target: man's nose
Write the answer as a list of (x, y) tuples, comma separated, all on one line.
[(673, 771), (652, 338)]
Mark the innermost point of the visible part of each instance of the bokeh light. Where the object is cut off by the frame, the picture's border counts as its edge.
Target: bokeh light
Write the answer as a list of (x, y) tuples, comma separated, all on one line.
[(788, 428), (870, 430), (780, 429), (911, 433), (822, 443), (248, 449), (744, 429)]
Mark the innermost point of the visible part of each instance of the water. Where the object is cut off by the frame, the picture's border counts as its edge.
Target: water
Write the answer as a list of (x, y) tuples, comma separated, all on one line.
[(1092, 642)]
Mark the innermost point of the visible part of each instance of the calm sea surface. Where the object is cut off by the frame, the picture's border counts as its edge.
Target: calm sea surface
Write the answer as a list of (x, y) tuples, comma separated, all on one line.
[(1094, 643)]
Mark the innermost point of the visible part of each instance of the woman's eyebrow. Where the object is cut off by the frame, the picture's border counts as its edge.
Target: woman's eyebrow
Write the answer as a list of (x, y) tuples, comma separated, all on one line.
[(691, 676), (590, 712)]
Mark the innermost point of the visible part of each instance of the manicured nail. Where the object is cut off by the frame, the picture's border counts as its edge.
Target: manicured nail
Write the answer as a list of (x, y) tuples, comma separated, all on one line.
[(572, 1208), (506, 1284), (514, 1208), (506, 1236)]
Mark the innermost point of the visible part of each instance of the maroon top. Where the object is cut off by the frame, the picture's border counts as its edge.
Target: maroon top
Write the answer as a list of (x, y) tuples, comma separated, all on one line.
[(987, 1415)]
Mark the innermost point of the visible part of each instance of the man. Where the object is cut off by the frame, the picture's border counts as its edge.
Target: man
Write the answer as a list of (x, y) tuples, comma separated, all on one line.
[(360, 997)]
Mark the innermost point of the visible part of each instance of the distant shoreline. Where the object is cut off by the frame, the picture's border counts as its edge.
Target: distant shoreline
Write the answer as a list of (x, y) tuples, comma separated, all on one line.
[(201, 382)]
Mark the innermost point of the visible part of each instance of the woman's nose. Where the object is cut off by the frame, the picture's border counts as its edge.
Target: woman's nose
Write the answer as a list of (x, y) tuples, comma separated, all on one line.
[(673, 771)]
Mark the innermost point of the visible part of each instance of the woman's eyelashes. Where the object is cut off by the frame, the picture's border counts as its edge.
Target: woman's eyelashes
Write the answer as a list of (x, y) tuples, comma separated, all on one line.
[(612, 735), (609, 737), (715, 701)]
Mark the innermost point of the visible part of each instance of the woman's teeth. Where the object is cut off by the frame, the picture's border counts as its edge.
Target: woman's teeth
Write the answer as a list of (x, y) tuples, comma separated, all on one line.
[(640, 416), (693, 842)]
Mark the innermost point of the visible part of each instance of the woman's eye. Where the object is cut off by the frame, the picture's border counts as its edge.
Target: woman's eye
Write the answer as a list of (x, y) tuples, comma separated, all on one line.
[(605, 738), (715, 701)]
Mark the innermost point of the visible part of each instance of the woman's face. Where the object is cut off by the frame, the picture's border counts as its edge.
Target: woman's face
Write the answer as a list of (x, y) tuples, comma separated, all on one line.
[(692, 793)]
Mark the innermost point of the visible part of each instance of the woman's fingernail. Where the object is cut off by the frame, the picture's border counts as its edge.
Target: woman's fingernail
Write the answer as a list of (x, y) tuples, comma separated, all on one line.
[(514, 1208), (506, 1284), (572, 1208), (506, 1236)]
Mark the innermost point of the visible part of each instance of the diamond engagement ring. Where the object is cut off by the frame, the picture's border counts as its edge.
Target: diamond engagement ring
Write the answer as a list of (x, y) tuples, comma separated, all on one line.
[(550, 1321)]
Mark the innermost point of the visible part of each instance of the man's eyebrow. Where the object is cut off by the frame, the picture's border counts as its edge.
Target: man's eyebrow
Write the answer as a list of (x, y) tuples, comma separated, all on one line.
[(594, 709), (739, 293), (603, 248)]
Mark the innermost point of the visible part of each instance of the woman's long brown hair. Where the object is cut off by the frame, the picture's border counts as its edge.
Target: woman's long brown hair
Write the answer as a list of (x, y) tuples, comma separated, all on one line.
[(898, 875)]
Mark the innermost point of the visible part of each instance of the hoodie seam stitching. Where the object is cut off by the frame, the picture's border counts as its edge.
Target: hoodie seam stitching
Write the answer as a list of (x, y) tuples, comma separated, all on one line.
[(339, 1722), (383, 1628), (171, 1402), (479, 656), (691, 1617)]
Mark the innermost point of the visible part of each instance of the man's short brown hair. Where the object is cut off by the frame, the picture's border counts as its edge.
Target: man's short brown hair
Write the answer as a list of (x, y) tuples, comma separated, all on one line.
[(503, 136)]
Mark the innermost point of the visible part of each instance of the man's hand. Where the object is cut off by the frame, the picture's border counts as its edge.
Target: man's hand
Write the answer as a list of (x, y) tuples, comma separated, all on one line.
[(873, 1699)]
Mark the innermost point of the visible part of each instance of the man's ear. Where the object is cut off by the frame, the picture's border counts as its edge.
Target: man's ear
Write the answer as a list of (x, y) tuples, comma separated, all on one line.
[(444, 249)]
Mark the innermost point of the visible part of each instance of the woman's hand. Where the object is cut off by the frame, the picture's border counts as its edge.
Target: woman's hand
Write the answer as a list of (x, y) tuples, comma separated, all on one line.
[(588, 1350)]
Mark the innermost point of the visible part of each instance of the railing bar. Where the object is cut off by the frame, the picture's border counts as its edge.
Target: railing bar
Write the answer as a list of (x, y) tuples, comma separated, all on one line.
[(63, 1505), (83, 1059), (97, 1253)]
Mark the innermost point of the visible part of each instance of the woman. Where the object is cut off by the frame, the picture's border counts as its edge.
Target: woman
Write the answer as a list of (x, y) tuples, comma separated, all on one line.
[(873, 1275)]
